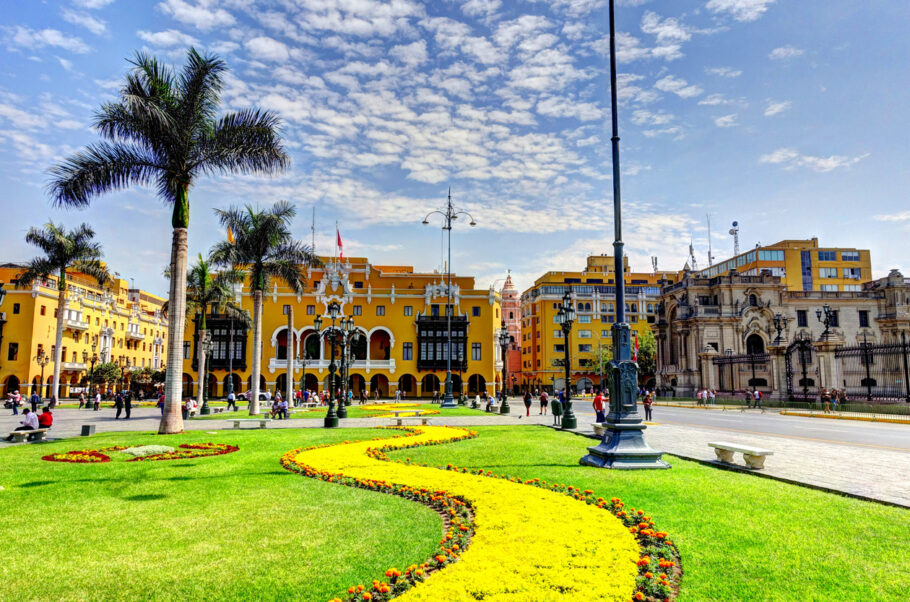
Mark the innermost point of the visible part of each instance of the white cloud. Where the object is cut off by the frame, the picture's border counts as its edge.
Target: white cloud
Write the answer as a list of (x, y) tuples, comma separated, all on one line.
[(726, 121), (643, 117), (774, 107), (791, 159), (677, 86), (66, 64), (902, 216), (412, 54), (93, 3), (741, 10), (27, 147), (560, 106), (168, 38), (21, 119), (713, 100), (785, 52), (362, 18), (724, 71), (34, 39), (667, 30), (477, 8), (202, 14), (267, 49), (82, 19)]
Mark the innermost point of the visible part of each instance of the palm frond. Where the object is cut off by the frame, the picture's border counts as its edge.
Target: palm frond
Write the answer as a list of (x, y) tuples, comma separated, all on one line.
[(98, 169), (36, 269), (199, 85), (246, 142), (94, 269)]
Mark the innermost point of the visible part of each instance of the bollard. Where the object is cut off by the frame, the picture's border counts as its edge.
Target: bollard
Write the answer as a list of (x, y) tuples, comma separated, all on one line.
[(88, 429)]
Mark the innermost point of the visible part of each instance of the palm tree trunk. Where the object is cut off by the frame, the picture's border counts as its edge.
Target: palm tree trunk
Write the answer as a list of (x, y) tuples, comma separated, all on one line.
[(58, 348), (172, 420), (257, 352), (201, 354)]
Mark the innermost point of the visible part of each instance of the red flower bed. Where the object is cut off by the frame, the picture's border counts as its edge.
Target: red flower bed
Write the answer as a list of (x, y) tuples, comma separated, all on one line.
[(187, 450), (83, 456)]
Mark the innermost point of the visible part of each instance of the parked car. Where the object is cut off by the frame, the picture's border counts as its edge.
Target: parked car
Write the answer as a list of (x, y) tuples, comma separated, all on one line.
[(243, 397)]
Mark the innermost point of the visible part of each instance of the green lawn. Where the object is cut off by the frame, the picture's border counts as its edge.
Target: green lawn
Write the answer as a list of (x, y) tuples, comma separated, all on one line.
[(741, 537), (236, 526), (354, 411)]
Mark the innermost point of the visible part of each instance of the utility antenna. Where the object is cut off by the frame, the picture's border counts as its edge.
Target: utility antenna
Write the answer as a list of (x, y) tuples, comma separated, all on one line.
[(692, 261), (734, 231), (710, 253), (654, 264), (313, 230)]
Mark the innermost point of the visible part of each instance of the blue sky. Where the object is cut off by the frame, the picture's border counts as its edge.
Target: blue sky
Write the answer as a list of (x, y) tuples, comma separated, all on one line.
[(788, 116)]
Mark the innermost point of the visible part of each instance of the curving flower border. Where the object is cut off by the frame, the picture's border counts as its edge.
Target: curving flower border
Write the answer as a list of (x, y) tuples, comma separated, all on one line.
[(659, 571), (97, 456)]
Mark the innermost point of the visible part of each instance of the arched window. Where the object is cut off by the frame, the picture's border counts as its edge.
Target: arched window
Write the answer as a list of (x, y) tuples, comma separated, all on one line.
[(753, 301), (511, 315), (755, 344)]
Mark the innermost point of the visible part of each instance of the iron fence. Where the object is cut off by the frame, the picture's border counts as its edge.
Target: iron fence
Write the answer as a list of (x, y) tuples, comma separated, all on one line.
[(876, 372)]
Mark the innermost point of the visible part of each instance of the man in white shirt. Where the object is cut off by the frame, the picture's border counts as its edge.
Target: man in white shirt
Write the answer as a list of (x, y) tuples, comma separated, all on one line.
[(97, 400), (29, 422)]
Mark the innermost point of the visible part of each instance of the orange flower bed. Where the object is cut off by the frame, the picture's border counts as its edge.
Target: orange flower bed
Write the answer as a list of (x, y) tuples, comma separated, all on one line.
[(187, 450)]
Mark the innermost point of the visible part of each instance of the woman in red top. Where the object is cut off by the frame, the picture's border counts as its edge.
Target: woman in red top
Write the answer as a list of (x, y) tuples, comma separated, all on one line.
[(46, 419)]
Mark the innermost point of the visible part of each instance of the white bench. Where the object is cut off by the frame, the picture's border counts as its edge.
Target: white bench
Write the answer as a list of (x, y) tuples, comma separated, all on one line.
[(262, 421), (754, 456), (416, 414), (20, 436)]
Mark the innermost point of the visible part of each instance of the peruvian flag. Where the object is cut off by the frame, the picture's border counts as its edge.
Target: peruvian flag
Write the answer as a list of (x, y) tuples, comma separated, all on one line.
[(338, 242), (635, 355)]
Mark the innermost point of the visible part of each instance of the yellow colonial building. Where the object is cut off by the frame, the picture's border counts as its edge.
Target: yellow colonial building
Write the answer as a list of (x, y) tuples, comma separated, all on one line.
[(802, 266), (593, 291), (399, 313), (112, 323)]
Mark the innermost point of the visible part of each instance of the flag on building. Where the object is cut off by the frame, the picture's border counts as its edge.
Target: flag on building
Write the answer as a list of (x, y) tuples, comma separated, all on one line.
[(339, 244), (230, 236)]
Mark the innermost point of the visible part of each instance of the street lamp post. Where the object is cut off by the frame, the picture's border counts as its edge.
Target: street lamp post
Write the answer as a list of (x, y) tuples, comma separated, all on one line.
[(565, 317), (623, 444), (207, 347), (450, 214), (2, 314), (42, 359), (780, 324), (825, 315), (333, 334), (91, 374), (504, 340)]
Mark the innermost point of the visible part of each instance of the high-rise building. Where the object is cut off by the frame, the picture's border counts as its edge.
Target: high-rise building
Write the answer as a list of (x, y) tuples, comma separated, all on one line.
[(114, 322), (593, 290), (801, 265), (400, 315)]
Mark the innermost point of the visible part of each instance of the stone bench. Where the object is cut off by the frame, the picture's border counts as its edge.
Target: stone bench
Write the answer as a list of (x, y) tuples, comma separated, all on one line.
[(754, 456), (416, 414), (36, 434), (263, 422)]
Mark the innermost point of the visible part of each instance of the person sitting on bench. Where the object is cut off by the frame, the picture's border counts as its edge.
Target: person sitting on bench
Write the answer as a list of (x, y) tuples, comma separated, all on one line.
[(29, 422), (46, 419)]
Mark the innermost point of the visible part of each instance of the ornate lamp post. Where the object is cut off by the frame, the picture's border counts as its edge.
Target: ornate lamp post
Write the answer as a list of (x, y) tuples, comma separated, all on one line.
[(565, 317), (91, 374), (42, 359), (333, 333), (450, 214), (623, 445), (780, 324), (350, 334), (825, 315), (204, 377), (2, 315), (504, 340)]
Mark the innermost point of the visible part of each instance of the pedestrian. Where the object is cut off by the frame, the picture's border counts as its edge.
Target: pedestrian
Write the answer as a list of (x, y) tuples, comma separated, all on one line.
[(118, 404), (826, 399), (185, 408), (35, 400), (363, 396), (544, 400), (487, 401), (598, 405), (128, 404), (81, 399), (231, 401), (160, 403), (758, 397), (713, 396), (647, 402), (46, 419), (29, 422), (527, 403), (749, 398), (14, 398)]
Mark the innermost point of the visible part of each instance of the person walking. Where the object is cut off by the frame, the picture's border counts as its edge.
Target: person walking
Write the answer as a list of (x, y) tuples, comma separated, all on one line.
[(128, 404), (81, 399), (826, 399), (231, 401), (118, 404), (647, 402), (160, 403), (712, 396), (14, 401), (528, 403), (97, 404), (758, 397), (35, 400), (544, 401), (598, 405)]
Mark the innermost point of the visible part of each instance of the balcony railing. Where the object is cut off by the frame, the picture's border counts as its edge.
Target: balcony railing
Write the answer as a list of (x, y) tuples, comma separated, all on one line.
[(136, 336), (74, 324), (276, 365)]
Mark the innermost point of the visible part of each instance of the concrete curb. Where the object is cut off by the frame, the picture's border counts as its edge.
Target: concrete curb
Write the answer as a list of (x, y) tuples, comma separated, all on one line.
[(839, 417)]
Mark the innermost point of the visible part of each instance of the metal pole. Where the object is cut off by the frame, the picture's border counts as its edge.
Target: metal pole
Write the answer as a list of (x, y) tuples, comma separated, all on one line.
[(447, 401), (231, 358), (906, 366), (289, 379), (803, 360), (866, 358), (567, 411)]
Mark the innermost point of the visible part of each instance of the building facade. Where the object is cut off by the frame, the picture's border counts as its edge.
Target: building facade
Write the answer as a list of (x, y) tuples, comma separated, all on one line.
[(511, 313), (802, 266), (113, 322), (736, 332), (400, 315), (593, 291)]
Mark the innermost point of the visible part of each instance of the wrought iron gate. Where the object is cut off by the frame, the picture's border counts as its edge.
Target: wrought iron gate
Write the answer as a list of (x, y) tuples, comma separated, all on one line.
[(804, 388), (876, 372)]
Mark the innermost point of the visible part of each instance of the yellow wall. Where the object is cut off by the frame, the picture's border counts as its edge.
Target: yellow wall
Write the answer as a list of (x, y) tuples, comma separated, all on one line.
[(115, 307), (392, 287)]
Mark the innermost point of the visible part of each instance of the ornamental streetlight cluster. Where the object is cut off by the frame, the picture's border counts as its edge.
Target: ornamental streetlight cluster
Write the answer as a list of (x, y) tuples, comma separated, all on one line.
[(565, 317), (504, 341), (449, 215), (826, 316), (91, 375), (780, 324), (336, 335), (42, 359), (207, 346)]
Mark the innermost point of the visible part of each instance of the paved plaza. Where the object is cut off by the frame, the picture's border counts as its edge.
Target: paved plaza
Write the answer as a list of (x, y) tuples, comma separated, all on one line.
[(859, 458)]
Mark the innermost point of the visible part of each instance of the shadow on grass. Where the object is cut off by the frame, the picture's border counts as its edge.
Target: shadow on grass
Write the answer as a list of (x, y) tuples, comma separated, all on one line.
[(37, 483), (145, 497)]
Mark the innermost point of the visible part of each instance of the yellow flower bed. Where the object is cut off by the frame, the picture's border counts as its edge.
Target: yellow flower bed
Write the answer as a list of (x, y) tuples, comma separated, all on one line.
[(529, 543)]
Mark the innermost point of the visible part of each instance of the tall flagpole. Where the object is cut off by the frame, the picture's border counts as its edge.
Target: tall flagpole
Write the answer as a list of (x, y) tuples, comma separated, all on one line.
[(623, 445)]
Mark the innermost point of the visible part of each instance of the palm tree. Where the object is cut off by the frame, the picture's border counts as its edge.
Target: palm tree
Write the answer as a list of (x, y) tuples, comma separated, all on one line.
[(164, 130), (210, 291), (63, 250), (263, 244)]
